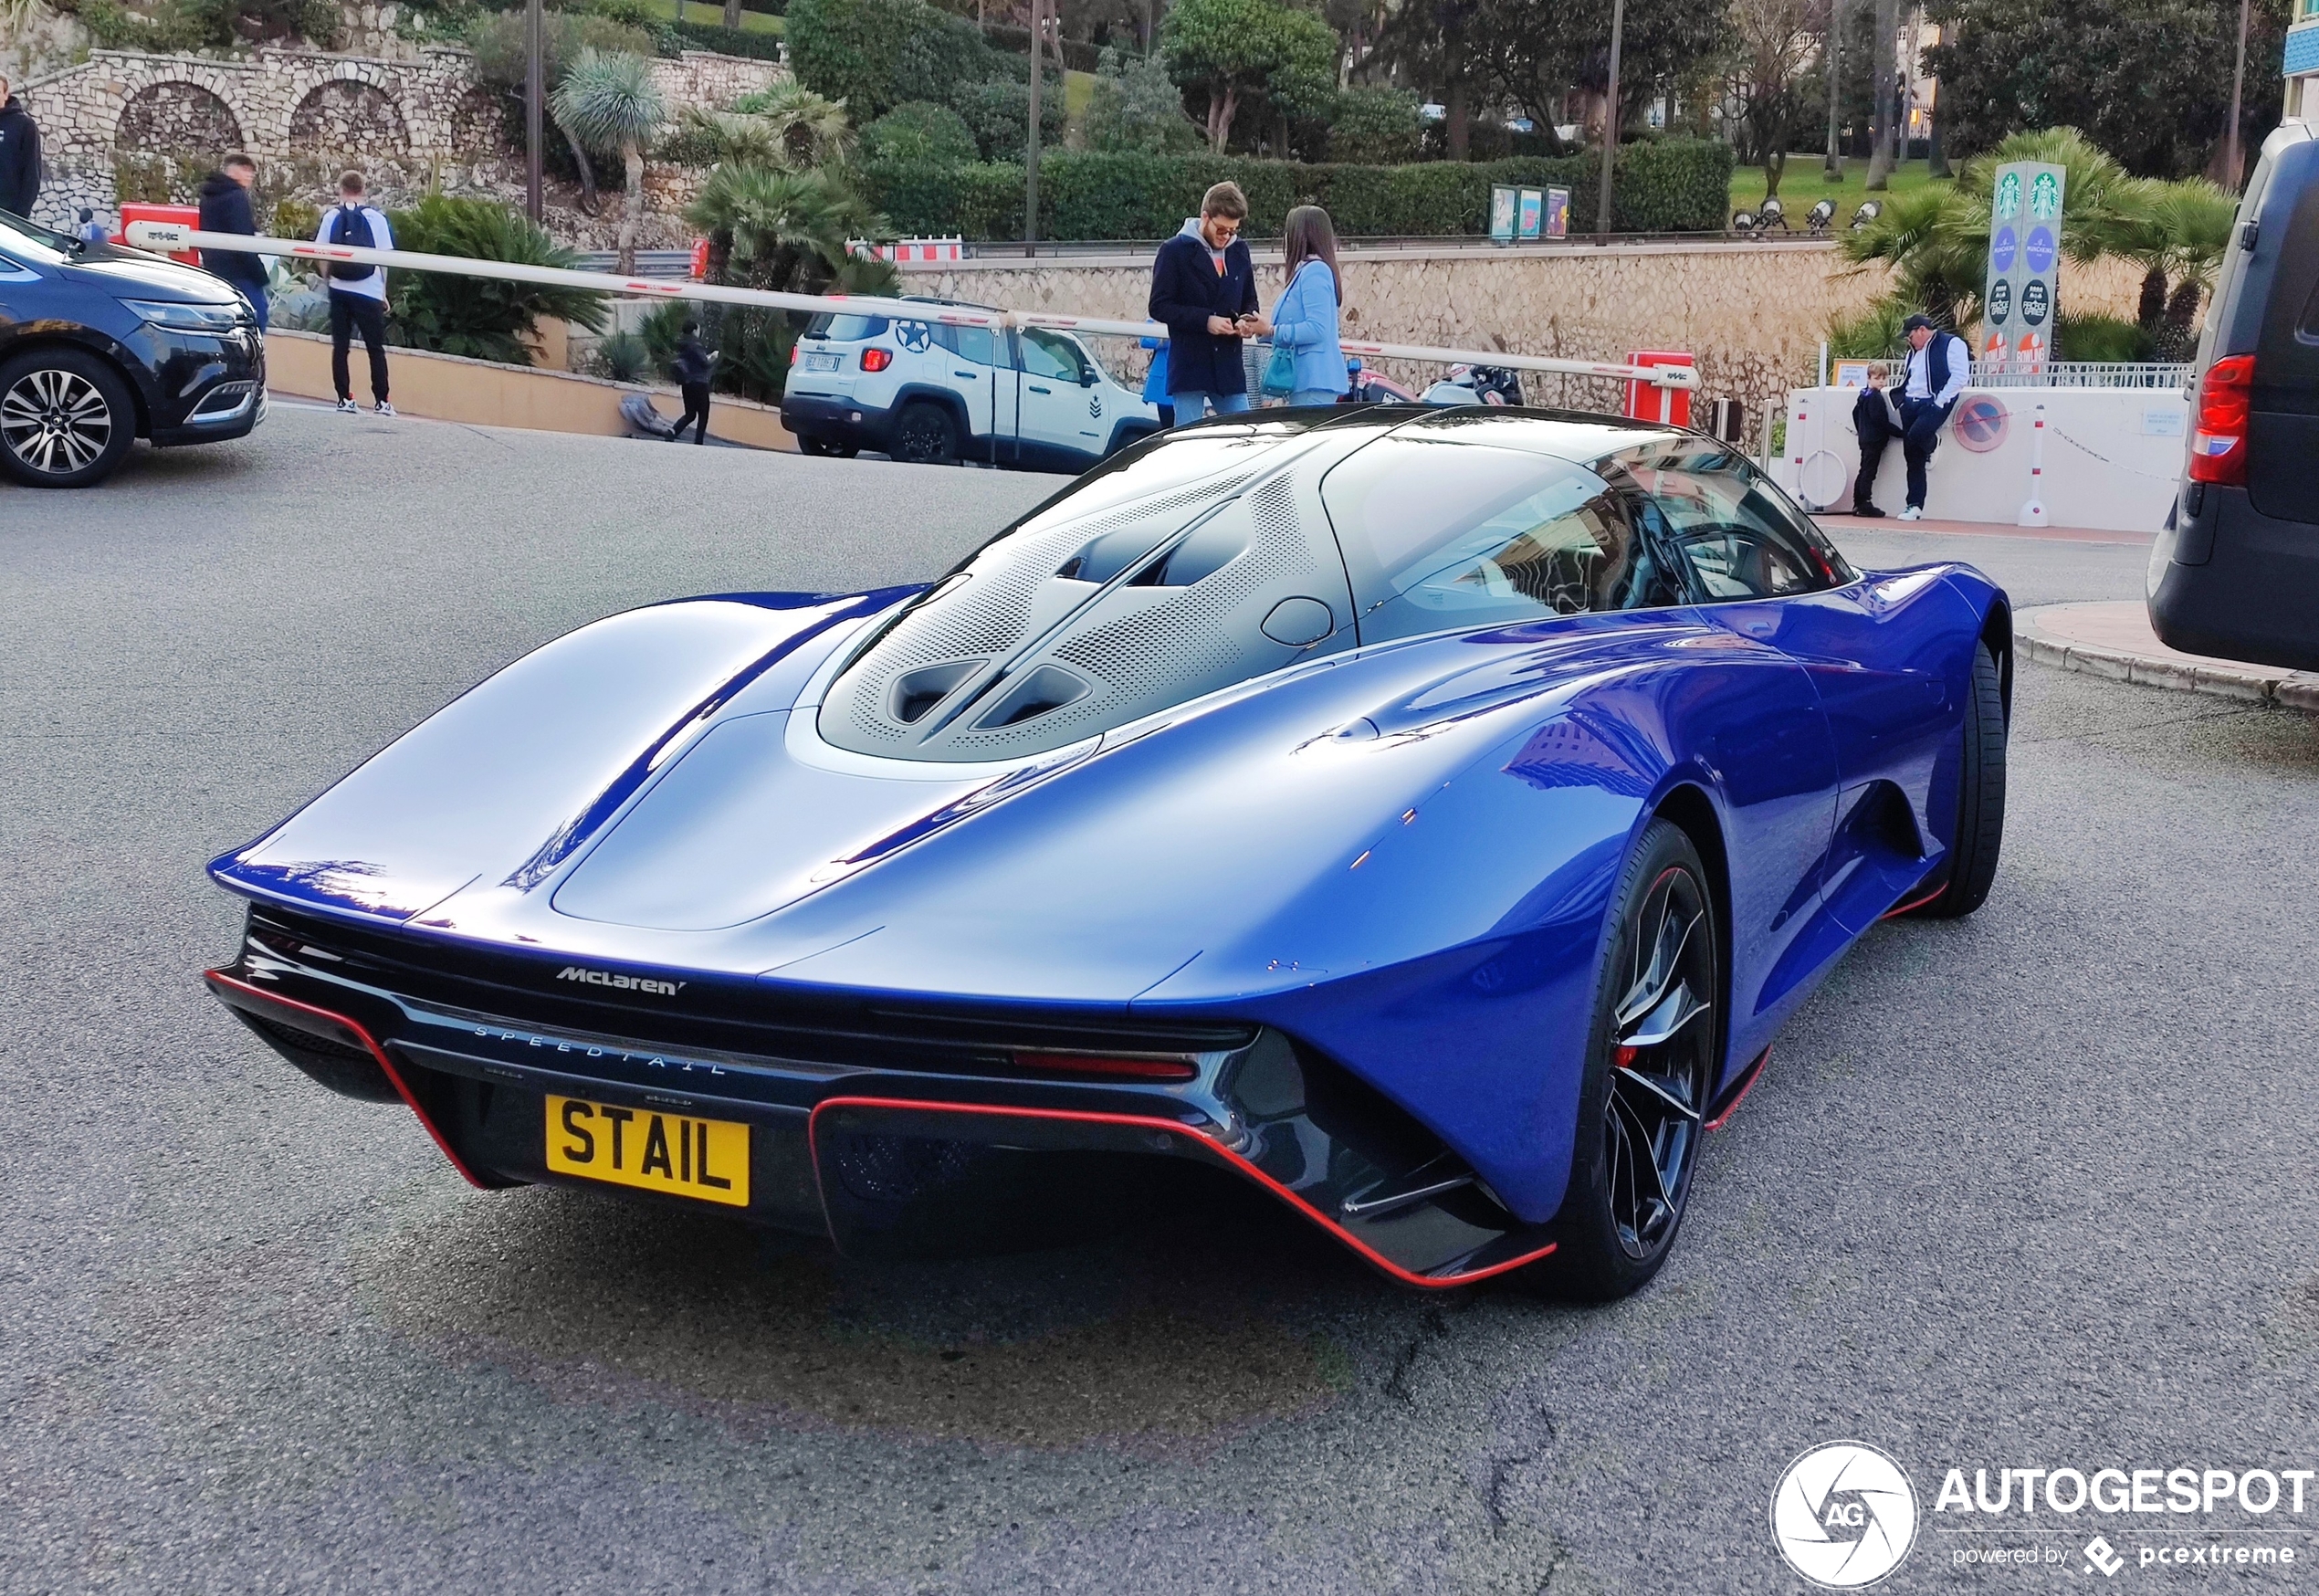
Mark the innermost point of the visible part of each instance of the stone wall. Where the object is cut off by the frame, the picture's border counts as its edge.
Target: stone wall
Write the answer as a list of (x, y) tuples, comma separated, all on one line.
[(409, 122), (1754, 314)]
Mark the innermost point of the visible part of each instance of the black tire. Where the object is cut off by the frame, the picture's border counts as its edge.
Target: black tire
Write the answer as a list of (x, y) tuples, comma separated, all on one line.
[(925, 435), (1980, 797), (1642, 1098), (822, 448), (66, 418)]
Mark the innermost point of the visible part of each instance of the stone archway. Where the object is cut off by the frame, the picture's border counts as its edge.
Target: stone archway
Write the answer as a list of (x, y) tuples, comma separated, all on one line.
[(173, 118), (347, 117)]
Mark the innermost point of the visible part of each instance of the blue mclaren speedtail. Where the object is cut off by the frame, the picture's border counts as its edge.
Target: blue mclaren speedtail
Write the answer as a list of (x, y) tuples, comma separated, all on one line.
[(1429, 816)]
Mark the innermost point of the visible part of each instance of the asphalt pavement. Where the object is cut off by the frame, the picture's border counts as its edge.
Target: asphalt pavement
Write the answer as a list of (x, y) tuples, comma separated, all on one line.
[(2032, 1189)]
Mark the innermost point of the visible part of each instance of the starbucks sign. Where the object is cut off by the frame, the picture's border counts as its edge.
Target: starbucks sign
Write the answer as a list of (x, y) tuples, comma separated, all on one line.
[(2022, 288)]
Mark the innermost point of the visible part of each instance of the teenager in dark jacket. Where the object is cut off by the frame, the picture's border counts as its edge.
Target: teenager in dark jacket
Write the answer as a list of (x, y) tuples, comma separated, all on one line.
[(224, 208), (691, 369), (19, 155), (1203, 284)]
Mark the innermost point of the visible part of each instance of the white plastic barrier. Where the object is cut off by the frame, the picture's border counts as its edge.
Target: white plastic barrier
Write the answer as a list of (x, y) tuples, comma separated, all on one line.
[(2112, 456), (168, 236)]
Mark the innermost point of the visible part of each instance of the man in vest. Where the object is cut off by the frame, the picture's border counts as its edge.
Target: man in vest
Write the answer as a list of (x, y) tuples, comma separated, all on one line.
[(1939, 364)]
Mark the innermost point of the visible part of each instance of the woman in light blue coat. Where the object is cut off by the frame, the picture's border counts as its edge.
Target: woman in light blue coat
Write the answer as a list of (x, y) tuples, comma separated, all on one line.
[(1305, 320)]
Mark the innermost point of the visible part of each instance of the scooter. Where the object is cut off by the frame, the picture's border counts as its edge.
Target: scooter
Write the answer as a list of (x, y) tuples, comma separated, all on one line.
[(1467, 385)]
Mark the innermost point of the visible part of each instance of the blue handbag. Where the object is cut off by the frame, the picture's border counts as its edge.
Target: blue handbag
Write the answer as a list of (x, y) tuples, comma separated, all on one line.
[(1280, 372)]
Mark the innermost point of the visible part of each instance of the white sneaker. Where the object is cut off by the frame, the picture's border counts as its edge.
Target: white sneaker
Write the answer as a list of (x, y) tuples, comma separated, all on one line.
[(384, 408), (346, 407), (1912, 514)]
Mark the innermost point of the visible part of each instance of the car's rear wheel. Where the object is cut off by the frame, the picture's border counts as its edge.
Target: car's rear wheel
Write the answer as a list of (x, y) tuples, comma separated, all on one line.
[(925, 435), (1649, 1074), (1980, 797), (66, 418)]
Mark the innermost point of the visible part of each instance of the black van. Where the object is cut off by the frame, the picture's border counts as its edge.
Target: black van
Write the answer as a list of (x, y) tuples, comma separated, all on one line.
[(100, 346), (2236, 574)]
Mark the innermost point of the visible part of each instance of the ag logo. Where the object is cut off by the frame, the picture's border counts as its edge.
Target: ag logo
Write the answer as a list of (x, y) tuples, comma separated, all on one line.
[(1844, 1515)]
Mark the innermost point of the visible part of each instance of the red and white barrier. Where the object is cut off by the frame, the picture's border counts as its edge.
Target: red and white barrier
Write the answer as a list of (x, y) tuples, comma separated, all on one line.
[(166, 237), (912, 251)]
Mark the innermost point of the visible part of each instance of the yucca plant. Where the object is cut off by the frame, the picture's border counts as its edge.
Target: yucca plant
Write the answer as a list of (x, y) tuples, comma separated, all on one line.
[(609, 103)]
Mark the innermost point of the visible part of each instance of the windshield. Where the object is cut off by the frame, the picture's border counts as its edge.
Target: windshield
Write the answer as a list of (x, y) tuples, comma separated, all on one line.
[(31, 241)]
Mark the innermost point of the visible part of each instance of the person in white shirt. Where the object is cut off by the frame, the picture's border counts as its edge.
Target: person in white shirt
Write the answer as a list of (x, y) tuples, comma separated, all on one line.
[(1939, 365), (358, 292)]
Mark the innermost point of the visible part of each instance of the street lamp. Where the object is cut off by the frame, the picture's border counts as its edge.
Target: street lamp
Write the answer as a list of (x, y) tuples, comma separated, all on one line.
[(1030, 163), (1610, 117), (534, 94)]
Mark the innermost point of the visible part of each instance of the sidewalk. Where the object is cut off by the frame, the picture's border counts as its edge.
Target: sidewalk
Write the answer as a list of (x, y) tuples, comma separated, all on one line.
[(1836, 521), (2114, 640)]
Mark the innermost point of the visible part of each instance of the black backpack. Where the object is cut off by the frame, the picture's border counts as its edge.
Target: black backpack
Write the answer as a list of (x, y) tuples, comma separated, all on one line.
[(349, 226)]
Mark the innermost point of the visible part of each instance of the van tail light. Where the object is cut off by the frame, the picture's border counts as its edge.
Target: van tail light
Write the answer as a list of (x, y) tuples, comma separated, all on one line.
[(876, 360), (2226, 401)]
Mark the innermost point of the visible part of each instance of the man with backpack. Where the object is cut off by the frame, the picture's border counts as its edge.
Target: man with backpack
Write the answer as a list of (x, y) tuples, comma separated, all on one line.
[(358, 292)]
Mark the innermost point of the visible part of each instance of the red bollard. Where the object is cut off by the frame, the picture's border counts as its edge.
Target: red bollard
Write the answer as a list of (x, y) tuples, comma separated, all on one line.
[(1647, 401)]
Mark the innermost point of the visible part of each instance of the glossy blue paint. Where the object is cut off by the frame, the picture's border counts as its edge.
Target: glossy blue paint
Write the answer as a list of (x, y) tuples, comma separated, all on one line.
[(1398, 854)]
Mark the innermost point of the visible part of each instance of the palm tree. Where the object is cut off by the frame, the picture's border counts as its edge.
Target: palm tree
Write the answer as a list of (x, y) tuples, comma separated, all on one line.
[(786, 125), (772, 228), (610, 102)]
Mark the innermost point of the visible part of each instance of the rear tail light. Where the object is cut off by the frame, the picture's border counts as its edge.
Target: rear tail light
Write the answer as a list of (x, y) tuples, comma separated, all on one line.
[(794, 350), (2226, 400), (876, 360), (1113, 1067)]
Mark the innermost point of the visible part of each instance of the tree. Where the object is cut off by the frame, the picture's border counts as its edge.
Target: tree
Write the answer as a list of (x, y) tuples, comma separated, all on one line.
[(1136, 106), (1772, 41), (1531, 53), (2149, 80), (498, 41), (1232, 49), (611, 103)]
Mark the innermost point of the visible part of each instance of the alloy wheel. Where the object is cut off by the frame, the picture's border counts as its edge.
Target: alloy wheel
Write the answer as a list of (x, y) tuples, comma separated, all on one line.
[(54, 421), (1662, 1052)]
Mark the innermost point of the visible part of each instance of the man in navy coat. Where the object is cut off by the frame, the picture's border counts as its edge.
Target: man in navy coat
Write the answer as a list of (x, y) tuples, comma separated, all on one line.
[(1203, 290)]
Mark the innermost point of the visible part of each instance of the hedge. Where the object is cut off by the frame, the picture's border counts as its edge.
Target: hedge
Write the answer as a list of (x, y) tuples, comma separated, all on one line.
[(1665, 185), (725, 41)]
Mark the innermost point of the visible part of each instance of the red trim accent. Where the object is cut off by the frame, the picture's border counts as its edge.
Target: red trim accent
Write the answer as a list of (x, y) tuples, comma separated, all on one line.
[(1893, 914), (1748, 1080), (1171, 1127), (218, 978)]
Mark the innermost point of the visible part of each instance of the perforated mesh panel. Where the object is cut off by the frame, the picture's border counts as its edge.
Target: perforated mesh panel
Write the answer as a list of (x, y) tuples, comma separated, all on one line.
[(1139, 649)]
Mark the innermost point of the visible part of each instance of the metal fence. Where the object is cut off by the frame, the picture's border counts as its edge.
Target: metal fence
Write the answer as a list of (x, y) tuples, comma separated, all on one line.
[(2086, 374)]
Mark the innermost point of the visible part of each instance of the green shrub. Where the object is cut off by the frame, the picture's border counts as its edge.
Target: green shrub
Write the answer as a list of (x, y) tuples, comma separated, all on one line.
[(921, 198), (1379, 126), (294, 220), (726, 41), (876, 53), (915, 131), (483, 318), (1134, 105), (2101, 338), (624, 357), (997, 111)]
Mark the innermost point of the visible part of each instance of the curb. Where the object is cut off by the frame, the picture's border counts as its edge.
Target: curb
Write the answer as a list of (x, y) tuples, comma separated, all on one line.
[(2249, 684)]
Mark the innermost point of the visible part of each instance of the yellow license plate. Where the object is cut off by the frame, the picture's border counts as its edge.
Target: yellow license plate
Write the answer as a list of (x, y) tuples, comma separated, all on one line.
[(703, 1158)]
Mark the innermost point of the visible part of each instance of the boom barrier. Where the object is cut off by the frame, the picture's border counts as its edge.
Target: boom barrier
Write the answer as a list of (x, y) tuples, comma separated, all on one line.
[(169, 237)]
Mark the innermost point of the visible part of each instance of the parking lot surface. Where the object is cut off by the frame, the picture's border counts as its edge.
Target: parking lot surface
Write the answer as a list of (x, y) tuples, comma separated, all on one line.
[(2032, 1189)]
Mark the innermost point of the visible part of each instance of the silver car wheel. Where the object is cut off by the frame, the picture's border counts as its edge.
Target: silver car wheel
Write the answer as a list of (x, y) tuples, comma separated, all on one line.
[(54, 421)]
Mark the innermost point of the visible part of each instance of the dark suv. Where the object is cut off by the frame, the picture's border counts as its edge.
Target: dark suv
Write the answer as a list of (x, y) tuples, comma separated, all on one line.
[(2237, 575), (100, 346)]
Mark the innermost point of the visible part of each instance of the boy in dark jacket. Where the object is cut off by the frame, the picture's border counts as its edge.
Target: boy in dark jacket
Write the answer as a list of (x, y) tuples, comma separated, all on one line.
[(1203, 290), (19, 155), (224, 208)]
